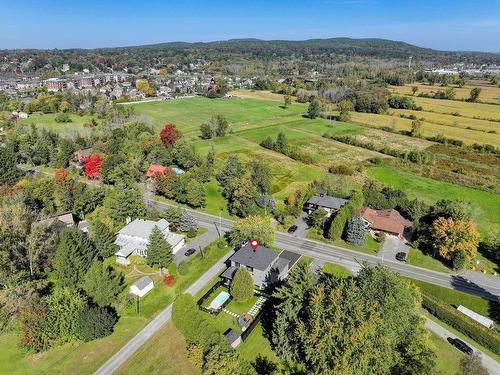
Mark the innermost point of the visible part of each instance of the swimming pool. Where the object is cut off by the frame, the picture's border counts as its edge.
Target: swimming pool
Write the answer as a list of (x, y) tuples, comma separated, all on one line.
[(219, 300)]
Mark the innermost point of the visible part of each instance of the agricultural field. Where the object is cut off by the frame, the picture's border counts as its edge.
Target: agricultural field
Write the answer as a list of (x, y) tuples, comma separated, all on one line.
[(489, 93)]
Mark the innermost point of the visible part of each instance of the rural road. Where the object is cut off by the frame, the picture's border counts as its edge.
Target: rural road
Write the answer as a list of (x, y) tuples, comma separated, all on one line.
[(487, 287), (126, 352), (489, 363)]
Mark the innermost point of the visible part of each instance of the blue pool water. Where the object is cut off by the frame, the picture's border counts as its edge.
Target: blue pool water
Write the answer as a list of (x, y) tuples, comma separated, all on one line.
[(219, 300)]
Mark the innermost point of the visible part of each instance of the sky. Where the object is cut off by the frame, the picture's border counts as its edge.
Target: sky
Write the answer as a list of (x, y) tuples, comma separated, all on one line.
[(472, 25)]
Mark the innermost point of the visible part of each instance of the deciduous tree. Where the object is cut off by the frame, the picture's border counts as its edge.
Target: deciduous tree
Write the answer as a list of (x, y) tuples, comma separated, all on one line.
[(314, 109), (253, 227), (450, 236), (169, 135), (92, 166)]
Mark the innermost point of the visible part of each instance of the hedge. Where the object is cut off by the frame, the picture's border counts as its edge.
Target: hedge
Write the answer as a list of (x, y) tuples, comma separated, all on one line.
[(462, 323)]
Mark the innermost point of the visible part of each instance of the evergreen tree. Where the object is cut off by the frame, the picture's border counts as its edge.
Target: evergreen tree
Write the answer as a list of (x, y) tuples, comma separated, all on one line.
[(262, 176), (232, 169), (159, 251), (74, 255), (94, 322), (356, 231), (9, 173), (124, 203), (104, 239), (242, 285), (196, 194), (187, 221), (314, 109), (102, 284)]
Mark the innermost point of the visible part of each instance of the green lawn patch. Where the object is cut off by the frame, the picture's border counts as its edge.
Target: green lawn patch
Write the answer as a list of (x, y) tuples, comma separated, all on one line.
[(242, 308), (47, 121), (370, 247), (447, 357), (417, 258), (336, 270)]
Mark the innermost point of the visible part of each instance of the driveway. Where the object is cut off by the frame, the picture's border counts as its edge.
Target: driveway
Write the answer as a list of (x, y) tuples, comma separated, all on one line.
[(200, 241), (391, 246), (302, 226)]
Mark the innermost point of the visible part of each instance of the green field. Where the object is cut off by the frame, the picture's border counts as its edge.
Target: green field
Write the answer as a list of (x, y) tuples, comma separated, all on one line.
[(47, 121), (485, 204)]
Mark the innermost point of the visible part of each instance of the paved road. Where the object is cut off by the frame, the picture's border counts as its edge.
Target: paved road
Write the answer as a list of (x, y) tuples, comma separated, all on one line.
[(470, 282), (127, 351), (489, 363)]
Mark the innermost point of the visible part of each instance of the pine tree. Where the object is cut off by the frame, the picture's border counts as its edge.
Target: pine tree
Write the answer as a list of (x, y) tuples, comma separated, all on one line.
[(188, 221), (102, 284), (242, 285), (9, 173), (104, 239), (159, 251), (356, 231), (74, 255)]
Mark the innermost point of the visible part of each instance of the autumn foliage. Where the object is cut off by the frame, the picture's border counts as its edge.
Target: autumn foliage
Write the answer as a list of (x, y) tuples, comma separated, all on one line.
[(451, 237), (92, 166), (169, 134), (61, 176), (169, 280)]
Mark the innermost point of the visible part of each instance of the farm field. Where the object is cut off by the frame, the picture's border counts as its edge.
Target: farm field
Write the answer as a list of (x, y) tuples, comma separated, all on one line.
[(489, 93), (479, 110), (486, 213), (47, 121)]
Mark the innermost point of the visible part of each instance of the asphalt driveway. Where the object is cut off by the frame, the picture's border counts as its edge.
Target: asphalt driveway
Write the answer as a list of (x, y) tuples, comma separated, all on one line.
[(391, 246)]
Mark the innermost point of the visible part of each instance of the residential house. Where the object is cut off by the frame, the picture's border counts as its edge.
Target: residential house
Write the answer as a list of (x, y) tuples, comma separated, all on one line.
[(133, 239), (388, 221), (65, 219), (82, 154), (266, 266), (155, 169), (329, 204), (142, 286)]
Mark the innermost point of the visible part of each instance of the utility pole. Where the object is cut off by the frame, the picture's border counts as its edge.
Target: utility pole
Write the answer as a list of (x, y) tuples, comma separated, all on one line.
[(409, 63)]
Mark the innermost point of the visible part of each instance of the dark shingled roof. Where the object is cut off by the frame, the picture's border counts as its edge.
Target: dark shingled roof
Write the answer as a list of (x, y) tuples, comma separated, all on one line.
[(259, 259), (232, 336), (327, 201)]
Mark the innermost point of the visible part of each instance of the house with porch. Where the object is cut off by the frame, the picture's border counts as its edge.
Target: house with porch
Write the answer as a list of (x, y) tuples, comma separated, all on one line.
[(133, 239), (266, 266), (326, 202)]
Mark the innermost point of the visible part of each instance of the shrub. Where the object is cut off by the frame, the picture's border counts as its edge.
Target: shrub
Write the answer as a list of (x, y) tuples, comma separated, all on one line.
[(169, 280), (172, 268), (242, 285), (191, 233), (62, 117), (462, 323), (341, 169), (94, 322)]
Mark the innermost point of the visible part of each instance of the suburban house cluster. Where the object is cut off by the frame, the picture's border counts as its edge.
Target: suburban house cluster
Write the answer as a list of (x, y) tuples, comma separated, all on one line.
[(133, 238)]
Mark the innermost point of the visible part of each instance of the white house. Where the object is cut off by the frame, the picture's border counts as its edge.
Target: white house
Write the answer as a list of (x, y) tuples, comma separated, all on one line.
[(133, 239), (142, 286)]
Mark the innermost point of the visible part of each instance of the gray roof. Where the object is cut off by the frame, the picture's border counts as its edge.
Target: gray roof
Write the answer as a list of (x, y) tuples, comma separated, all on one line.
[(143, 282), (327, 201), (232, 336), (259, 259), (292, 258), (228, 273), (143, 228)]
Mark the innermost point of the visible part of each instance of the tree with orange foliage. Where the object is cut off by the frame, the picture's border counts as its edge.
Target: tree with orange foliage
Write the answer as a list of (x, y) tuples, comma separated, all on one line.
[(61, 176), (92, 166), (451, 237)]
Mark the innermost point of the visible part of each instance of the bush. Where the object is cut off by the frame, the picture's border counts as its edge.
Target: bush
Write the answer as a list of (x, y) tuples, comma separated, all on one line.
[(341, 169), (242, 285), (172, 268), (169, 280), (221, 242), (191, 233), (62, 117), (462, 323), (183, 268), (94, 322)]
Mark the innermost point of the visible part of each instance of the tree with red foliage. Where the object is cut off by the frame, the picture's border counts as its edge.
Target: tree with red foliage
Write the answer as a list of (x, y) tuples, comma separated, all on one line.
[(92, 166), (169, 280), (36, 326), (169, 134)]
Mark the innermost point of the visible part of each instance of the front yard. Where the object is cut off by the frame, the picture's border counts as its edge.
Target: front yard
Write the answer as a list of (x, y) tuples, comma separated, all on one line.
[(370, 247)]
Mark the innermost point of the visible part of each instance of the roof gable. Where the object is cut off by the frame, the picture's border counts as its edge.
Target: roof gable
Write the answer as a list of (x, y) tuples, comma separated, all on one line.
[(259, 259)]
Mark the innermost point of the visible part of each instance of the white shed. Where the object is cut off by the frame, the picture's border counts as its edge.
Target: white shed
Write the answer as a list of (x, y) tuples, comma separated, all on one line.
[(142, 286), (487, 322)]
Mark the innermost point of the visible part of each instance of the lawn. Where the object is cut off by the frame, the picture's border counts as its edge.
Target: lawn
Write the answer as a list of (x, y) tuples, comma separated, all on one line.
[(486, 213), (47, 121), (370, 247), (336, 270), (84, 358), (242, 308), (164, 353), (447, 357), (419, 259)]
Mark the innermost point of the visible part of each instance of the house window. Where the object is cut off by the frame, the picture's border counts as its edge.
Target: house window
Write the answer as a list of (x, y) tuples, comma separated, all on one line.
[(250, 269), (236, 264)]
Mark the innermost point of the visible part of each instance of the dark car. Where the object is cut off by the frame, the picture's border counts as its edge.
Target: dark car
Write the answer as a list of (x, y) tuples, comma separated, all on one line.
[(460, 345), (292, 229), (190, 252), (401, 256)]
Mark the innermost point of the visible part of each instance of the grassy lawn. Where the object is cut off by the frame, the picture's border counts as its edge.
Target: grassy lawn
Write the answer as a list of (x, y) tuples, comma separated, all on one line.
[(164, 353), (486, 214), (256, 344), (85, 358), (419, 259), (336, 270), (447, 357), (47, 121), (241, 308), (455, 297), (370, 247)]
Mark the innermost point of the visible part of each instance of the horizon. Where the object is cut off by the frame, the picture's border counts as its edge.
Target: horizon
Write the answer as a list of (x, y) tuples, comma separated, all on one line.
[(445, 26)]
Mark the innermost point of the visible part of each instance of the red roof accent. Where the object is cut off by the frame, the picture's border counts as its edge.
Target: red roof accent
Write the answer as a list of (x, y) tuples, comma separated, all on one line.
[(385, 220), (155, 169)]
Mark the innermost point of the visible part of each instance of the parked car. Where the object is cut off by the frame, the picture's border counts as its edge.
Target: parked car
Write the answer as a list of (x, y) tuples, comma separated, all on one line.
[(401, 256), (190, 252), (460, 345), (292, 229)]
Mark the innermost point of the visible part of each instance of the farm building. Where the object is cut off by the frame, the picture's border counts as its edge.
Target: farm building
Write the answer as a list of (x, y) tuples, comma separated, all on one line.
[(142, 286)]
